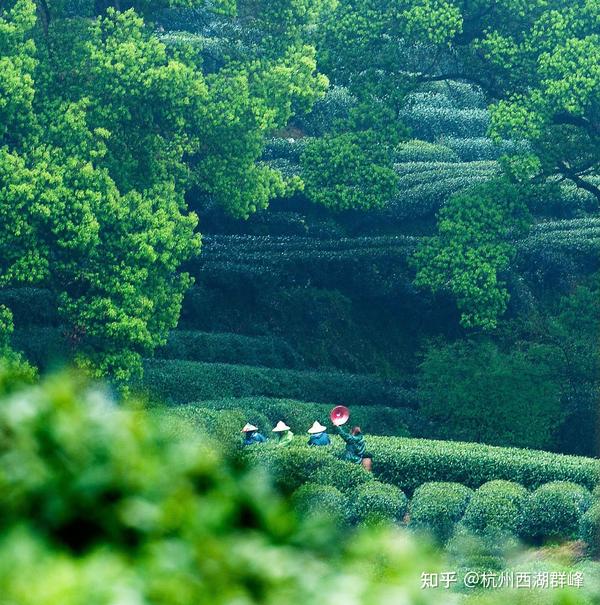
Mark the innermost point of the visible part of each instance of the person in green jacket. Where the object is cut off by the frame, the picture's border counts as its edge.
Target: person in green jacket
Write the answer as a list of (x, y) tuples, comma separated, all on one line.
[(285, 435), (356, 447)]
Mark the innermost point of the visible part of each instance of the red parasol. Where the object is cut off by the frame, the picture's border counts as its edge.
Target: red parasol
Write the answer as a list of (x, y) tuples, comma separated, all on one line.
[(339, 415)]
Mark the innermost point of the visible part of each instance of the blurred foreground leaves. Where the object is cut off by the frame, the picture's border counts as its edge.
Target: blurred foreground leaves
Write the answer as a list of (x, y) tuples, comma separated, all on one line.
[(103, 503)]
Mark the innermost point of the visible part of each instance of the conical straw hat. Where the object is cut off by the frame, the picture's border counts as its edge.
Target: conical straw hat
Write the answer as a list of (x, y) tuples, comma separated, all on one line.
[(249, 428), (281, 426), (317, 427)]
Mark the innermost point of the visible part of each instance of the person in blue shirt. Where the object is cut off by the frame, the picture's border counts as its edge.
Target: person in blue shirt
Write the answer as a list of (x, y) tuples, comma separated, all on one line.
[(251, 435), (318, 435)]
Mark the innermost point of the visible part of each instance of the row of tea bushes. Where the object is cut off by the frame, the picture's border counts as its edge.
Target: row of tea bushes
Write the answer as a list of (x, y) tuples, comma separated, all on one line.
[(177, 381), (371, 503), (298, 464), (265, 412), (320, 481), (408, 463), (193, 345), (555, 511)]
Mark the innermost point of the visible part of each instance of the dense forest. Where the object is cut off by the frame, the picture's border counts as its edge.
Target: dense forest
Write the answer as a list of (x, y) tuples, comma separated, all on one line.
[(253, 210)]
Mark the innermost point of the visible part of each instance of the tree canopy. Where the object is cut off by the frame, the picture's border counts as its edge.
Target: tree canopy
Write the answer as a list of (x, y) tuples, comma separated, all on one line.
[(104, 127)]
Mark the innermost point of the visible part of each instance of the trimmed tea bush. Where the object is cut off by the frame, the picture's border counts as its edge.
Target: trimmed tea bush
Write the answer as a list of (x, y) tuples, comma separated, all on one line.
[(480, 148), (300, 415), (437, 506), (376, 502), (298, 464), (424, 187), (408, 463), (554, 511), (42, 345), (589, 529), (422, 151), (314, 499), (470, 551), (178, 381), (346, 476), (430, 122), (495, 506), (222, 425), (229, 348)]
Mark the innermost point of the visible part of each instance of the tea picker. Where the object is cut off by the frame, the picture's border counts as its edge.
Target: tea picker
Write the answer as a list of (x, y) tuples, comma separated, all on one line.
[(285, 435), (251, 435), (318, 435), (356, 448)]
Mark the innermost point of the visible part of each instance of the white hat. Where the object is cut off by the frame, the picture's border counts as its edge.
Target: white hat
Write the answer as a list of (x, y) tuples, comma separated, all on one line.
[(249, 428), (281, 426), (317, 427)]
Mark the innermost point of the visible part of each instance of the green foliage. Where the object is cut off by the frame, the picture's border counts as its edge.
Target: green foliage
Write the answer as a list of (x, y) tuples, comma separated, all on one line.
[(314, 499), (186, 381), (15, 374), (422, 151), (229, 348), (425, 187), (408, 463), (554, 511), (285, 149), (537, 60), (474, 391), (132, 234), (438, 507), (348, 171), (495, 508), (471, 250), (300, 415), (551, 89), (102, 502), (589, 529), (327, 113), (429, 122), (299, 463), (104, 129), (375, 503), (42, 346)]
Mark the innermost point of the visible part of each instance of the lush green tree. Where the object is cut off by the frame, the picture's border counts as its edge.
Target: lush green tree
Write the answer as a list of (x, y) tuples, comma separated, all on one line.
[(538, 62), (472, 249), (103, 129), (350, 170), (476, 392)]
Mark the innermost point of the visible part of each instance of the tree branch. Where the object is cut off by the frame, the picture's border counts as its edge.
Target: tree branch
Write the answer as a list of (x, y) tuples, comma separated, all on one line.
[(571, 174), (566, 118)]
